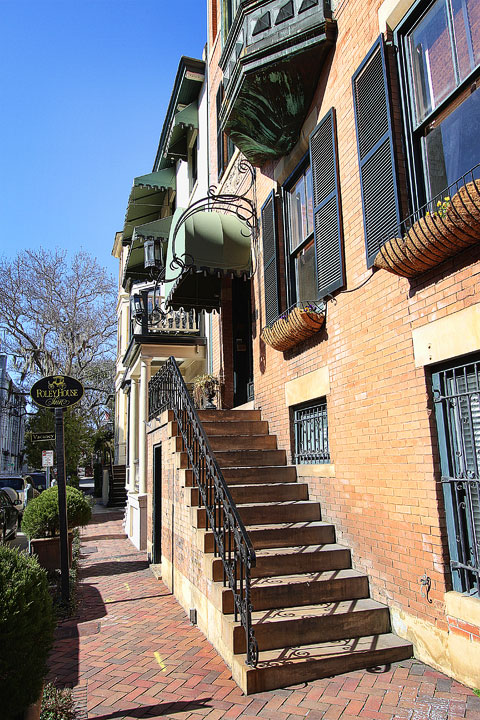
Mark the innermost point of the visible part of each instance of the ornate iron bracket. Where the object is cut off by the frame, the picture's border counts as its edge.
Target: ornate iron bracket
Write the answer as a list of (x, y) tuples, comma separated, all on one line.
[(240, 205)]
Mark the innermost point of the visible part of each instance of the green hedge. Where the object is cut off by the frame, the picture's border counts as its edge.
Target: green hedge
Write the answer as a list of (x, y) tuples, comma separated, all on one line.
[(41, 518), (26, 630)]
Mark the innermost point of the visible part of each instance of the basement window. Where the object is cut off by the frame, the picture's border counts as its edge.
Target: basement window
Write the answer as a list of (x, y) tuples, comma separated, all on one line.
[(310, 425)]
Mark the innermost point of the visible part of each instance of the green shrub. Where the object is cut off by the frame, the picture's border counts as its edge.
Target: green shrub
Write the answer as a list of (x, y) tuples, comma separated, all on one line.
[(26, 630), (57, 704), (41, 519)]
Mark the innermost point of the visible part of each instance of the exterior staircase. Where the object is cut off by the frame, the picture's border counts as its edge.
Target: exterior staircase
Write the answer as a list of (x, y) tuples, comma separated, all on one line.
[(312, 614), (117, 492)]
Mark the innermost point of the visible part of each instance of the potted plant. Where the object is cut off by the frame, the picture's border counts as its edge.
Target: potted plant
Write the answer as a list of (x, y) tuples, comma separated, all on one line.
[(204, 390), (41, 523), (26, 629), (451, 224), (294, 325)]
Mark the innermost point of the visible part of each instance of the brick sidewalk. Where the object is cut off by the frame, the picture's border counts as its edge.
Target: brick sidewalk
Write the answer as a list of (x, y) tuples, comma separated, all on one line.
[(131, 653)]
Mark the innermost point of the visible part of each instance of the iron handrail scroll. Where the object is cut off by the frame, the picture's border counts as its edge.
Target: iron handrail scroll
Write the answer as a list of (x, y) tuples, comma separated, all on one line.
[(167, 390)]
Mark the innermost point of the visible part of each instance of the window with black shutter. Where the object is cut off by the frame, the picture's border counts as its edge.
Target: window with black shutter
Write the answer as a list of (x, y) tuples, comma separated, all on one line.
[(270, 259), (439, 51), (328, 235), (313, 219), (378, 176)]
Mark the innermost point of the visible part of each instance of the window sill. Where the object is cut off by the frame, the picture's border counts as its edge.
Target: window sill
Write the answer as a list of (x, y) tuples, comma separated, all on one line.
[(321, 470), (463, 607)]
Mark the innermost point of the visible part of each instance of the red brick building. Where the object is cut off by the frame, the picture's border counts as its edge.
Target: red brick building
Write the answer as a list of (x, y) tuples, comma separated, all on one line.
[(357, 334)]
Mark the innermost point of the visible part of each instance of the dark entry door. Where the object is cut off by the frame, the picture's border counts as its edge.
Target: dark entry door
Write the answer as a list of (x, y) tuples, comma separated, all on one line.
[(242, 341), (157, 505)]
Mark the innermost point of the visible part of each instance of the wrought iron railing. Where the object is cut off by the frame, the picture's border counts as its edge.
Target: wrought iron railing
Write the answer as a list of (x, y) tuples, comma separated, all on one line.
[(167, 390), (446, 225)]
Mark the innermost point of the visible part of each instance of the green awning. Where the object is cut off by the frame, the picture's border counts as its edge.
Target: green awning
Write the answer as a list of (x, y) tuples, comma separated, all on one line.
[(147, 199), (212, 245), (183, 121), (134, 267)]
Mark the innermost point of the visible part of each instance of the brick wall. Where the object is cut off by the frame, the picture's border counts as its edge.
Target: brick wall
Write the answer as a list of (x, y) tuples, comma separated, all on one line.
[(178, 545), (385, 498)]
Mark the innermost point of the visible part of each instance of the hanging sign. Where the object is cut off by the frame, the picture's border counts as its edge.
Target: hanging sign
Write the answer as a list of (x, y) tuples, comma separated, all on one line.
[(56, 391), (43, 436)]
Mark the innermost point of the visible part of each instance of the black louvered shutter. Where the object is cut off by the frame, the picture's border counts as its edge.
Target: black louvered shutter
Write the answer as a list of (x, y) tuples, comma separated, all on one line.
[(220, 152), (270, 260), (378, 177), (329, 260)]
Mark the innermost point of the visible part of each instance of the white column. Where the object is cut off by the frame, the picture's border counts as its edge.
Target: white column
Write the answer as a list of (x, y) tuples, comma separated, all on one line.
[(142, 425), (132, 435)]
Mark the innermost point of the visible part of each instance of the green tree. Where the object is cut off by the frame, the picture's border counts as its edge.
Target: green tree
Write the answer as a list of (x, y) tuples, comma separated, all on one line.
[(80, 438), (57, 315)]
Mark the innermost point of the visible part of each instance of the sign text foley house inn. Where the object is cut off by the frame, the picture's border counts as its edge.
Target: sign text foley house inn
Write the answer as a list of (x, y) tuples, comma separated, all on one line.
[(56, 391)]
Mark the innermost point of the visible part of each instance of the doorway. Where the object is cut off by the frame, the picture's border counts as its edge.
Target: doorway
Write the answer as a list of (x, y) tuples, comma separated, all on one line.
[(157, 506), (242, 341)]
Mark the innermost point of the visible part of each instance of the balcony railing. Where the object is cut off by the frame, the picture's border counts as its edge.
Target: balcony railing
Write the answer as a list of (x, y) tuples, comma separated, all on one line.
[(175, 322)]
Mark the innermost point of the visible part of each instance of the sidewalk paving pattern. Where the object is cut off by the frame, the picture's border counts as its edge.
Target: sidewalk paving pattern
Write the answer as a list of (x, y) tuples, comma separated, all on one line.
[(131, 653)]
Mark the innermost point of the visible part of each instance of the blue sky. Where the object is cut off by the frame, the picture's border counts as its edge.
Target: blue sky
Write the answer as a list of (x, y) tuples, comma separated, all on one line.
[(85, 86)]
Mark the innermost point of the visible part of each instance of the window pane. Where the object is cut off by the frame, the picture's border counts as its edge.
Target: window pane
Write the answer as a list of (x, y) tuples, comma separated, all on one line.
[(305, 274), (309, 191), (297, 213), (452, 148), (466, 21), (431, 61)]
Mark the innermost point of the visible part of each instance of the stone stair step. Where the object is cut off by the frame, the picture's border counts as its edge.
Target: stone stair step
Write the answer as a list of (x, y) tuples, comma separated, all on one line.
[(240, 427), (301, 589), (282, 535), (280, 492), (228, 415), (267, 474), (295, 511), (273, 562), (243, 442), (250, 458), (244, 476), (312, 624), (292, 665)]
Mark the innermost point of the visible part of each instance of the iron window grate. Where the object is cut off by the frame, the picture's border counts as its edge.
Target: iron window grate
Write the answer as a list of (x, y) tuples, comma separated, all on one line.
[(457, 397), (311, 434)]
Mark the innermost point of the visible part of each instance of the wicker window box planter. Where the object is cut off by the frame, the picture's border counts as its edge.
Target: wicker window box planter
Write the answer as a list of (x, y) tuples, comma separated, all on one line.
[(297, 325), (436, 236)]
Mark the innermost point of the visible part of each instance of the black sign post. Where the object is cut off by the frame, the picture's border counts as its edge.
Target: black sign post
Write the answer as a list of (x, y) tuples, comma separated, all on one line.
[(62, 504), (58, 392)]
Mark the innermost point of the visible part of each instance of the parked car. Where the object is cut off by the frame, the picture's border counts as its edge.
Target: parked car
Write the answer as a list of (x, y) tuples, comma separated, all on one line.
[(38, 480), (15, 487), (9, 516)]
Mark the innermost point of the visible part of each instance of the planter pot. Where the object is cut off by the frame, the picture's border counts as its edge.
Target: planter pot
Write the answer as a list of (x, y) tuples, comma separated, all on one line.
[(47, 551), (287, 332), (435, 237)]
